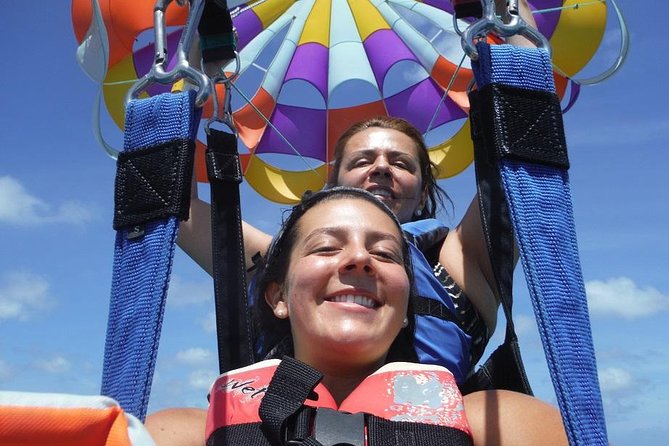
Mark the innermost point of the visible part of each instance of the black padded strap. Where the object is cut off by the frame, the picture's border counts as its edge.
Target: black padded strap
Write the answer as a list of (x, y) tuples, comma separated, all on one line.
[(233, 321), (382, 432), (422, 306), (292, 384), (217, 38), (153, 183), (497, 226)]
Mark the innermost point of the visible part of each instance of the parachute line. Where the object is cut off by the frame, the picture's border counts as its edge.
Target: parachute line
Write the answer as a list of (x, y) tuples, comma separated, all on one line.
[(97, 129), (267, 121), (561, 8), (446, 91)]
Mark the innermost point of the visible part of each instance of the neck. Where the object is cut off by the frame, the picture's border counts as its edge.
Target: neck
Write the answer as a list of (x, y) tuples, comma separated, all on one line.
[(342, 380)]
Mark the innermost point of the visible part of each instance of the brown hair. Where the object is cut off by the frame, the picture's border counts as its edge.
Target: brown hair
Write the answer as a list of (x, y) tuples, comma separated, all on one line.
[(435, 195)]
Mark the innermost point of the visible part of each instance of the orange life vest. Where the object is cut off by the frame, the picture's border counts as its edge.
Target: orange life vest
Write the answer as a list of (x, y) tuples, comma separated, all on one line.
[(408, 398)]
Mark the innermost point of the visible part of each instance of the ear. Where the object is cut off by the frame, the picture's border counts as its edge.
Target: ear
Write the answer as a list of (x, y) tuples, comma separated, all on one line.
[(274, 298)]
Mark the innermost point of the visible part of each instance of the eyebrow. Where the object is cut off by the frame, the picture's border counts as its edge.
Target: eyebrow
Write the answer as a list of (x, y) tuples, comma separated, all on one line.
[(341, 232), (367, 152)]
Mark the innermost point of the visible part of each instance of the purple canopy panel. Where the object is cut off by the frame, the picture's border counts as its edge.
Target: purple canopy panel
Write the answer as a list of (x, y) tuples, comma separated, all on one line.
[(574, 91), (143, 61), (546, 21), (303, 127), (310, 63), (384, 48), (418, 104), (444, 5), (248, 25)]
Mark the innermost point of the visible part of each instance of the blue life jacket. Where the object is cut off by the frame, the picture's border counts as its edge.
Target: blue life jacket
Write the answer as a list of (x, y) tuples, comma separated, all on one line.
[(439, 339)]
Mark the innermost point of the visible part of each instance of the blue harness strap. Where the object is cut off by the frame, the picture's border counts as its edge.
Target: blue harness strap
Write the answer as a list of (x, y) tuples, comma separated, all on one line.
[(528, 141), (151, 196)]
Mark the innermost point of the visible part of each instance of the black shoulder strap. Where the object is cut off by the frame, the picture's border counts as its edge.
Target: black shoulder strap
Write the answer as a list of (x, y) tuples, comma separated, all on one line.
[(504, 369), (283, 403), (233, 324)]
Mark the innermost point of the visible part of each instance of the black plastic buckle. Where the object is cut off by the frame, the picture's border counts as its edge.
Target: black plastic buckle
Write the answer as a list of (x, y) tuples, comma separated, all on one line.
[(334, 428)]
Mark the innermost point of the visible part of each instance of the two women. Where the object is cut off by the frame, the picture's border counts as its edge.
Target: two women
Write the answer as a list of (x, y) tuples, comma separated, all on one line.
[(388, 158)]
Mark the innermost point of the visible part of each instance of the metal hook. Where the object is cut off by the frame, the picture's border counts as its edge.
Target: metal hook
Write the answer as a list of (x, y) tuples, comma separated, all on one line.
[(490, 22), (226, 80), (182, 69)]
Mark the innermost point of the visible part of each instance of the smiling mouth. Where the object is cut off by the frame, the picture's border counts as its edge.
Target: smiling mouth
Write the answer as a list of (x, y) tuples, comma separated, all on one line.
[(380, 192), (355, 299)]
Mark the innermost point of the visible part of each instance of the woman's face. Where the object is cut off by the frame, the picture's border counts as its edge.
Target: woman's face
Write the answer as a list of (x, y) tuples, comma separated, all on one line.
[(346, 291), (385, 163)]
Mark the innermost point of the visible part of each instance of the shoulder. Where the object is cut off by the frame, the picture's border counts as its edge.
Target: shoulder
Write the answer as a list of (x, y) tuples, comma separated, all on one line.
[(427, 236), (512, 418)]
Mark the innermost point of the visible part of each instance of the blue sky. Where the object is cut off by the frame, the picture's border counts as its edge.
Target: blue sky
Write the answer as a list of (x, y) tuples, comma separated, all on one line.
[(56, 240)]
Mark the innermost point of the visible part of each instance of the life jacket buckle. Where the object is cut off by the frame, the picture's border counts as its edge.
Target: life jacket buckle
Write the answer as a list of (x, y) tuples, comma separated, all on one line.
[(335, 428)]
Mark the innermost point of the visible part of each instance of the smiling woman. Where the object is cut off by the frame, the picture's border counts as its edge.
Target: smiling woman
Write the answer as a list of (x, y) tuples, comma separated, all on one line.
[(343, 282), (342, 288)]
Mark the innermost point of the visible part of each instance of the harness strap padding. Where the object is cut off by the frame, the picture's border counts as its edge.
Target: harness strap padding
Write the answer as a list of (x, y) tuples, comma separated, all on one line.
[(233, 321), (152, 182), (217, 38), (143, 250), (533, 170), (504, 369), (423, 306), (292, 384), (467, 8), (384, 432)]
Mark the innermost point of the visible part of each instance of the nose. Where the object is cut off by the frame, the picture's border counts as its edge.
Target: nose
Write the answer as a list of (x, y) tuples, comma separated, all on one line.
[(381, 167), (358, 260)]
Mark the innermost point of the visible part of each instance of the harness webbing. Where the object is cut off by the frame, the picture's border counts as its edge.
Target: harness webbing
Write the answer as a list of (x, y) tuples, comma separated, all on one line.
[(526, 132), (233, 321), (152, 187)]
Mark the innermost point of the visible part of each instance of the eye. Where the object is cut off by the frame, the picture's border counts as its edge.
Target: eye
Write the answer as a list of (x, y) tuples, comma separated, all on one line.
[(361, 162), (323, 248), (405, 164), (386, 254)]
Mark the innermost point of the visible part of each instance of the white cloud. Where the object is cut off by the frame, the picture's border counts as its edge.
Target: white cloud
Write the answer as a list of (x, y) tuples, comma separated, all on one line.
[(195, 356), (615, 380), (19, 207), (22, 294), (202, 379), (57, 364), (620, 296), (189, 293)]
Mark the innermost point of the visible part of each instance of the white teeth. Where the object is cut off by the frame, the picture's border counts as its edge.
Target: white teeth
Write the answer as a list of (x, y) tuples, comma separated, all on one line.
[(350, 298), (381, 193)]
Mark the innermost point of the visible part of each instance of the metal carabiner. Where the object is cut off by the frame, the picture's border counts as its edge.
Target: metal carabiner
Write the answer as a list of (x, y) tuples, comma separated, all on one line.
[(227, 118), (182, 68), (490, 22)]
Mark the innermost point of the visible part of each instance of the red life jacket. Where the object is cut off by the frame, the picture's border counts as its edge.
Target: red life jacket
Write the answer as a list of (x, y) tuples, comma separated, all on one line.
[(413, 404)]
